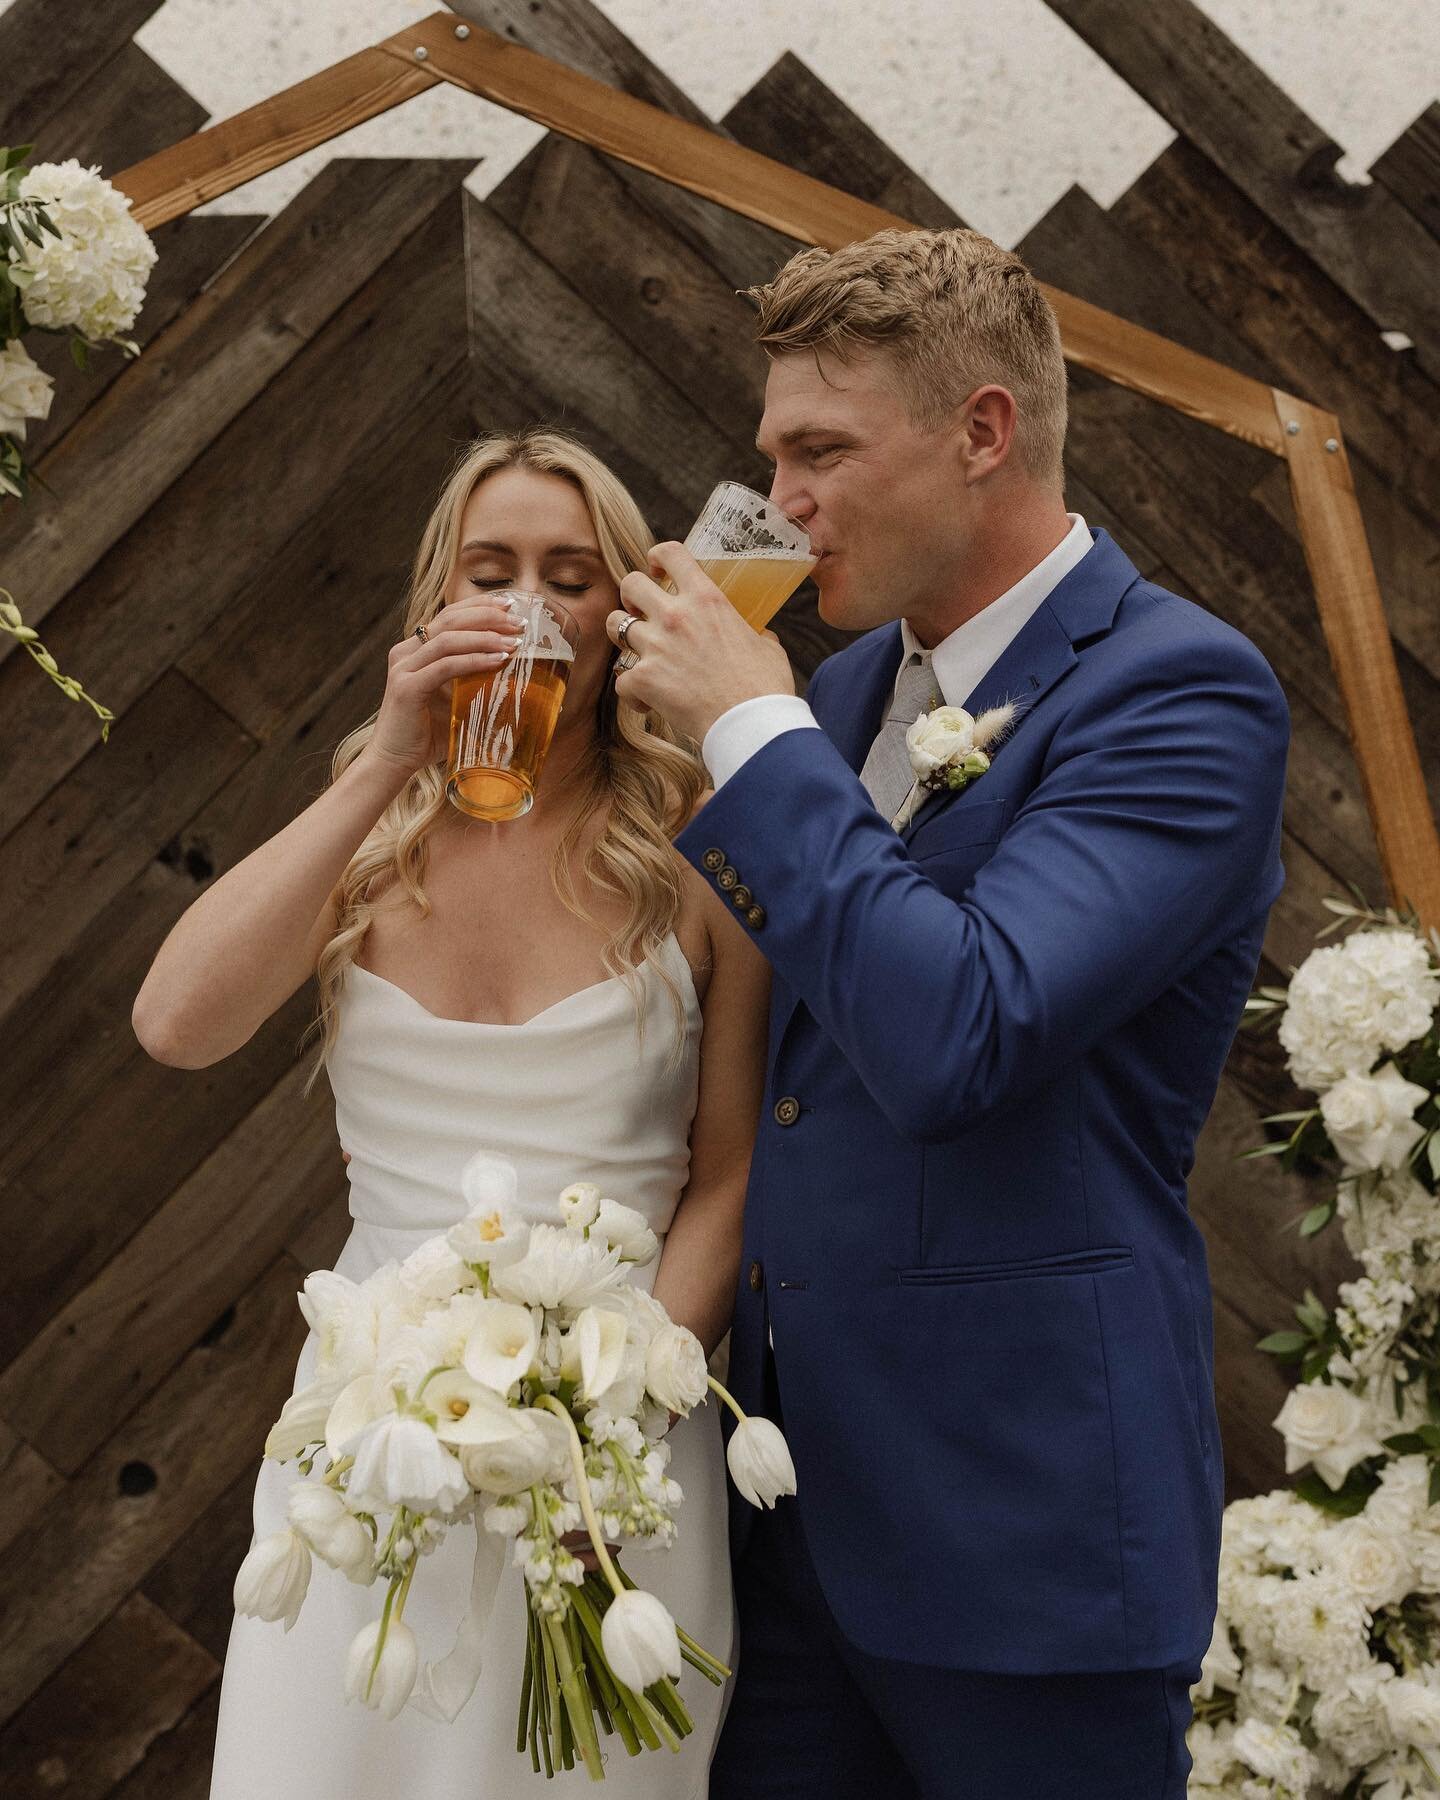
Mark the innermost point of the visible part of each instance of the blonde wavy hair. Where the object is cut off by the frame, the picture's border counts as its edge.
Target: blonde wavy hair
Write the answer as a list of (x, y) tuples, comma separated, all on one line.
[(646, 776)]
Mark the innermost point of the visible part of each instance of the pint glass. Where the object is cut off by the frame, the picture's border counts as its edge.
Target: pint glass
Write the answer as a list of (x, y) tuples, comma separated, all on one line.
[(501, 722), (751, 551)]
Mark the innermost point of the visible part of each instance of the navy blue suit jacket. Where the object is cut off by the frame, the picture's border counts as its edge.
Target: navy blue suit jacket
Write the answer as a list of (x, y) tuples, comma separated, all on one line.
[(993, 1039)]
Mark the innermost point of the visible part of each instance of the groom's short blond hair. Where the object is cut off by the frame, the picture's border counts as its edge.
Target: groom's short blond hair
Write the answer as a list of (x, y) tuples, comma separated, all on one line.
[(951, 310)]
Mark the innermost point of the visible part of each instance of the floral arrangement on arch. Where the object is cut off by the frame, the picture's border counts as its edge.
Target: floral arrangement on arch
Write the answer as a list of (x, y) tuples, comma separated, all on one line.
[(72, 261), (1323, 1676)]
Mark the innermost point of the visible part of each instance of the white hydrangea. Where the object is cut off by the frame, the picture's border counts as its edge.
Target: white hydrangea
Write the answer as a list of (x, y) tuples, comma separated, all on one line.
[(1350, 1717), (1275, 1753), (92, 277), (1349, 1002), (25, 389), (1368, 1315), (1391, 1223)]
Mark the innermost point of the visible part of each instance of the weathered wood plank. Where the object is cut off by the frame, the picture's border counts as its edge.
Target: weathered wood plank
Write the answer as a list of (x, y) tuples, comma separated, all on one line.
[(27, 1483), (147, 1485), (195, 1582), (254, 485), (1180, 62), (93, 833), (107, 1348), (44, 68), (177, 1765), (127, 1685), (1410, 168), (252, 323)]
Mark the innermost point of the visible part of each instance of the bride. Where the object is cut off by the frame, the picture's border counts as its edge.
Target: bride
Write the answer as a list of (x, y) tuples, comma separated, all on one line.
[(536, 989)]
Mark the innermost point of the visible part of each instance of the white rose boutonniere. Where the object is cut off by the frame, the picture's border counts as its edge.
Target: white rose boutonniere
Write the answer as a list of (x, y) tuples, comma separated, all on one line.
[(949, 749)]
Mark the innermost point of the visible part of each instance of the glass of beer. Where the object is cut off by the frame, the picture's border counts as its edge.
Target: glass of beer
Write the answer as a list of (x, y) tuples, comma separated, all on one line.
[(754, 554), (502, 721)]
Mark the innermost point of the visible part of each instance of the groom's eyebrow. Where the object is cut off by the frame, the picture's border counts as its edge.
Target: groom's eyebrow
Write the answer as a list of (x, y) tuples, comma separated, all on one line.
[(796, 432)]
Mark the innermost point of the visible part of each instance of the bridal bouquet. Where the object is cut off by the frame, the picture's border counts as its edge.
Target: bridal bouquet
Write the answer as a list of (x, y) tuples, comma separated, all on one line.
[(509, 1375), (1323, 1676)]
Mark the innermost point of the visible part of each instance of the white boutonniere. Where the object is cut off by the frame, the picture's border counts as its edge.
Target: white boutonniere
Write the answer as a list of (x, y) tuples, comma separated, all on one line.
[(949, 748)]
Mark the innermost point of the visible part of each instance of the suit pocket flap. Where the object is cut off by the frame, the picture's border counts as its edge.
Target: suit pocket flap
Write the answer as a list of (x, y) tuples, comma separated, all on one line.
[(978, 822), (1069, 1262)]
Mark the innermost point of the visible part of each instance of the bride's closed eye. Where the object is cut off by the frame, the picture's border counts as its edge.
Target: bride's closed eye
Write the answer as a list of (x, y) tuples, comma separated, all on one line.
[(500, 581)]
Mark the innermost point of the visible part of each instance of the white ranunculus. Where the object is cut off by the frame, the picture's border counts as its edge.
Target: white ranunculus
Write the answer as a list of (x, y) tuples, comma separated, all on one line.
[(434, 1271), (1328, 1425), (25, 389), (937, 736), (675, 1370), (92, 277), (273, 1578), (639, 1639), (579, 1204), (593, 1350), (1370, 1118), (536, 1448), (401, 1462), (385, 1686), (760, 1463), (319, 1514), (1349, 1002), (559, 1268), (502, 1344), (1373, 1564), (302, 1421), (626, 1229), (1412, 1709)]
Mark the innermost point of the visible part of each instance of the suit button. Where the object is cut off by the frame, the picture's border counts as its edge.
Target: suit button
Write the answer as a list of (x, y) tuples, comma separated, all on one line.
[(741, 896), (726, 878), (755, 918), (713, 860), (757, 1278), (787, 1110)]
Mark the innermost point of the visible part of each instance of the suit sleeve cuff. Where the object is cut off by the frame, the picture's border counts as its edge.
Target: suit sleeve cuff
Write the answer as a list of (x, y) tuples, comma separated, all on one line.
[(737, 734)]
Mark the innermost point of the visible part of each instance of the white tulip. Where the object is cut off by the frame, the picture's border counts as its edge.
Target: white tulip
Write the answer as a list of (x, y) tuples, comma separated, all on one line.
[(579, 1204), (639, 1639), (559, 1268), (675, 1370), (401, 1462), (537, 1448), (435, 1271), (353, 1408), (626, 1229), (319, 1514), (393, 1677), (488, 1182), (594, 1349), (502, 1344), (342, 1315), (301, 1422), (760, 1462), (273, 1578)]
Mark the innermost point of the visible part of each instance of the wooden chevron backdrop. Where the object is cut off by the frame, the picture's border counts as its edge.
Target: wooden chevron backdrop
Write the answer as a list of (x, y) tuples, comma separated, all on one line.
[(221, 558)]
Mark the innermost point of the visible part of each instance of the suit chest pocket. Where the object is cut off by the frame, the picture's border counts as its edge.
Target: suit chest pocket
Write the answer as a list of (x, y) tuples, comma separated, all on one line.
[(960, 840)]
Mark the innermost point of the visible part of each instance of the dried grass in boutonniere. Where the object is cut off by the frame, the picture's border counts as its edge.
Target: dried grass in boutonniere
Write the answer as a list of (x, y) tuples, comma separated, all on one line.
[(949, 749)]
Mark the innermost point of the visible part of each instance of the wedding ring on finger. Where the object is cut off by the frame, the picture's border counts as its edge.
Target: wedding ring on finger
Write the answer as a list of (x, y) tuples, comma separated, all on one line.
[(421, 633), (627, 659), (622, 632)]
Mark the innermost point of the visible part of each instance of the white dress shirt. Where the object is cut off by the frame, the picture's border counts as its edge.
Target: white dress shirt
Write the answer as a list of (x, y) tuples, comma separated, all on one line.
[(960, 661)]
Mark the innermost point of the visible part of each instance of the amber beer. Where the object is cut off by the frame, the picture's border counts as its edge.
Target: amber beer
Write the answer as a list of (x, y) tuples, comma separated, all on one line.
[(754, 554), (501, 722)]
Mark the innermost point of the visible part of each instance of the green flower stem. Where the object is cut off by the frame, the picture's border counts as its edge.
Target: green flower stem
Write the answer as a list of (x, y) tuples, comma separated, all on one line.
[(527, 1688), (577, 1701), (550, 1726), (537, 1685), (728, 1398), (582, 1489)]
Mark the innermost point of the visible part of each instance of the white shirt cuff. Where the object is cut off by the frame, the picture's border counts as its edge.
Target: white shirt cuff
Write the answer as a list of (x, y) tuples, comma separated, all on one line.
[(737, 734)]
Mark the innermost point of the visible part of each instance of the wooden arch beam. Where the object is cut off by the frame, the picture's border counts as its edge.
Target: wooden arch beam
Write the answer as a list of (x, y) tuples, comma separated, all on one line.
[(441, 48)]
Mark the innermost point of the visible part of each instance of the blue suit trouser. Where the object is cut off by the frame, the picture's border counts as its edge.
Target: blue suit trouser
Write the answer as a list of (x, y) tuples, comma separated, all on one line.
[(814, 1718)]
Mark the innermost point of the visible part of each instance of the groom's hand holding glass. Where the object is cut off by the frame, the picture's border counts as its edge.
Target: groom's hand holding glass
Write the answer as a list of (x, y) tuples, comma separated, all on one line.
[(688, 653)]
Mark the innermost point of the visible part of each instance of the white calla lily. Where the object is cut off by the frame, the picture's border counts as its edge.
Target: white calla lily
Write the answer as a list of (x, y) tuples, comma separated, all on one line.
[(466, 1411), (593, 1351), (502, 1344)]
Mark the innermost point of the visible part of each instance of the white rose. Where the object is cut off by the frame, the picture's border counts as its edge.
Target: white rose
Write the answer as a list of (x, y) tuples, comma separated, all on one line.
[(25, 389), (1327, 1425), (937, 736), (1370, 1118), (1373, 1564), (675, 1370)]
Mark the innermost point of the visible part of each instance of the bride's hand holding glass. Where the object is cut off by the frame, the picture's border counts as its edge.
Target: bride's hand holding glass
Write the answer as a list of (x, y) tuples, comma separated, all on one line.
[(467, 637)]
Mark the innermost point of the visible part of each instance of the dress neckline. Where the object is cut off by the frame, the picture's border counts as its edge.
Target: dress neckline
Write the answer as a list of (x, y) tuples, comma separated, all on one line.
[(545, 1012)]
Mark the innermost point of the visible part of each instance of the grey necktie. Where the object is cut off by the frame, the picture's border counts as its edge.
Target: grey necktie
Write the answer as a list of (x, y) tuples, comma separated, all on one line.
[(887, 776)]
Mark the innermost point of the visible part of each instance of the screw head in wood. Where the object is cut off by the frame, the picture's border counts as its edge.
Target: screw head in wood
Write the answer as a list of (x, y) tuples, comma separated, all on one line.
[(1332, 445), (1292, 428), (421, 53), (462, 31)]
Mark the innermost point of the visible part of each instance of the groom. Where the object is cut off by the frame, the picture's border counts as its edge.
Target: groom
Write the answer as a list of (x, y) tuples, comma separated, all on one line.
[(970, 1279)]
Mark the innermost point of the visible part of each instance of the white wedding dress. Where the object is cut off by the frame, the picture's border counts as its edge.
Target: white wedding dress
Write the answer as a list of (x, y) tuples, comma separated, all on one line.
[(568, 1095)]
